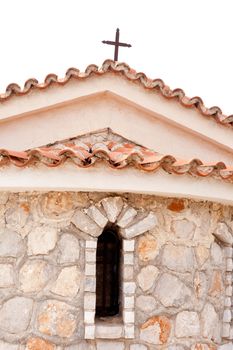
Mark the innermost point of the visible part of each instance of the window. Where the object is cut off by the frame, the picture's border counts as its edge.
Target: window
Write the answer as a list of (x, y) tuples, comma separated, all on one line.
[(107, 273), (109, 285)]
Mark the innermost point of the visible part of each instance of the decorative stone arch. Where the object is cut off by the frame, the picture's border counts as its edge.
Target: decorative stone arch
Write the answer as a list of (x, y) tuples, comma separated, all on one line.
[(131, 222)]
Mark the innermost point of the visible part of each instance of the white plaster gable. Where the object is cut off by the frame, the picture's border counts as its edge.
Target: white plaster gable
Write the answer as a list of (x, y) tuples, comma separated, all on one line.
[(199, 138)]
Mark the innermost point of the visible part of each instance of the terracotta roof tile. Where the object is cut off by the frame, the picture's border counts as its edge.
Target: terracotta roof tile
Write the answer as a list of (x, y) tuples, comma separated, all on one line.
[(117, 156), (124, 70)]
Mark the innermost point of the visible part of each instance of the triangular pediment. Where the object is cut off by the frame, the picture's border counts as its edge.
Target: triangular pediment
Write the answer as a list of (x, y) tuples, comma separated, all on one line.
[(112, 81), (130, 119)]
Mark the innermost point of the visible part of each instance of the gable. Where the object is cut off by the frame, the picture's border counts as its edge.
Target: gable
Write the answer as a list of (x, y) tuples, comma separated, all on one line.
[(106, 110), (182, 141)]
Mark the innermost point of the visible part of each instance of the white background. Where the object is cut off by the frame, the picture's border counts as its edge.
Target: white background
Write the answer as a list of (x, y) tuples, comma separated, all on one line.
[(187, 43)]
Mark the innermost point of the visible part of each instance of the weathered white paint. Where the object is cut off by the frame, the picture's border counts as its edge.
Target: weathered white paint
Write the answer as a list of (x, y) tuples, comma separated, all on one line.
[(103, 179)]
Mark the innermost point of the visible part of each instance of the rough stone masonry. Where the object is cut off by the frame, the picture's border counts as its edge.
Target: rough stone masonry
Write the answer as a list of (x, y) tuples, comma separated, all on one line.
[(182, 271)]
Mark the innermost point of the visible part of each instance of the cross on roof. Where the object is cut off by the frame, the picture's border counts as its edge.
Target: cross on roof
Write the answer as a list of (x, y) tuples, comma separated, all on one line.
[(116, 43)]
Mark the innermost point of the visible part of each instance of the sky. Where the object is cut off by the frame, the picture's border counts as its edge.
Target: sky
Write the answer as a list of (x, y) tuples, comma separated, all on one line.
[(187, 43)]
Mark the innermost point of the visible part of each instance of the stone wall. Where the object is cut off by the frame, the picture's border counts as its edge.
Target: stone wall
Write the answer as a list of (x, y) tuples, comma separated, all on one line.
[(182, 270)]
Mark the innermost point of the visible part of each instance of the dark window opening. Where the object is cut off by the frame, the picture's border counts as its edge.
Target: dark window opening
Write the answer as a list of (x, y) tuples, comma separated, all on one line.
[(107, 273)]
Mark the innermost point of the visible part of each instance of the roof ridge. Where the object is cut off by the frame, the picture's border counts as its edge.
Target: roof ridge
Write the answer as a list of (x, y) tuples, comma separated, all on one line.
[(125, 70)]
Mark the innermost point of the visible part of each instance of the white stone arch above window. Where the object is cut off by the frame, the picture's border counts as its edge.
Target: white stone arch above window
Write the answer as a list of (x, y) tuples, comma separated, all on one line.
[(131, 223)]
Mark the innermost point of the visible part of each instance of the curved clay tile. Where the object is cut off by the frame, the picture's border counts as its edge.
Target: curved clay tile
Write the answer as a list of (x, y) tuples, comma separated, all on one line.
[(115, 155)]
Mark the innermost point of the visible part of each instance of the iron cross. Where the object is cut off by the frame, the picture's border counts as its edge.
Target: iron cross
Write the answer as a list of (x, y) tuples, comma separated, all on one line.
[(116, 43)]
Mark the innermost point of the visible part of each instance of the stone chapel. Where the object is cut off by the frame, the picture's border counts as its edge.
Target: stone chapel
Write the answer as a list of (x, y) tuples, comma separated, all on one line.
[(116, 203)]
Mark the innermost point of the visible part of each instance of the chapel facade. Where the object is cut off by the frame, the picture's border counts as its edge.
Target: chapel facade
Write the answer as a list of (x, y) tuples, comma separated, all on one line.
[(116, 215)]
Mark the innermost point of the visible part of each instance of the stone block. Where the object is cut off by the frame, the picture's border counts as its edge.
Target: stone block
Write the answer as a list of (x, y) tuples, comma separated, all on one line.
[(210, 323), (200, 285), (228, 279), (183, 229), (90, 269), (228, 252), (129, 331), (226, 328), (107, 345), (203, 346), (56, 318), (147, 247), (128, 245), (6, 275), (108, 331), (41, 240), (227, 346), (127, 217), (90, 284), (68, 282), (231, 333), (187, 324), (227, 302), (144, 225), (128, 302), (216, 254), (229, 266), (57, 205), (83, 345), (129, 287), (138, 347), (202, 254), (8, 346), (4, 197), (128, 316), (89, 301), (229, 291), (16, 216), (89, 332), (34, 275), (156, 330), (170, 291), (84, 223), (223, 234), (91, 244), (216, 285), (96, 215), (227, 316), (89, 317), (90, 255), (68, 247), (178, 258), (128, 272), (128, 258), (112, 207), (39, 344), (11, 244), (176, 205), (146, 303), (15, 314), (147, 276)]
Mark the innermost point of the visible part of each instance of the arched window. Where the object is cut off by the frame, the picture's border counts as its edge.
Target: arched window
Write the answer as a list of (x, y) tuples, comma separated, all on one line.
[(107, 273)]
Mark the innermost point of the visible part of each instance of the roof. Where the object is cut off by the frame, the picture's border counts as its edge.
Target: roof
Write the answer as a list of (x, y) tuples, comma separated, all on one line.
[(117, 155), (124, 70)]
